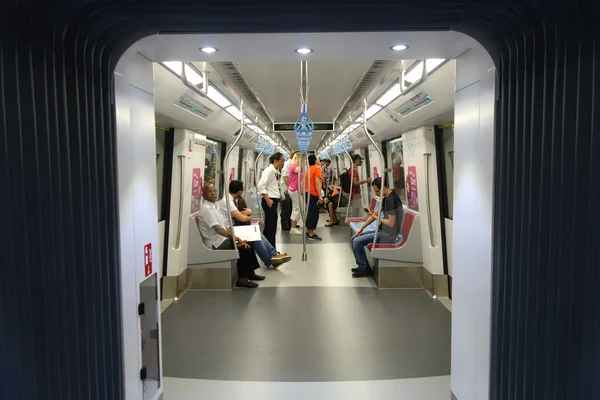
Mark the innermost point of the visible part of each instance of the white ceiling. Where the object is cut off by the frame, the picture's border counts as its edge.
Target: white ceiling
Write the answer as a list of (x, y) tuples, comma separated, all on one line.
[(271, 68)]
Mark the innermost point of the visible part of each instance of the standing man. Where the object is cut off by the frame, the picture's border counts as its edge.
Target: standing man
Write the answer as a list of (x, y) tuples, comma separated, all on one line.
[(270, 190), (356, 198)]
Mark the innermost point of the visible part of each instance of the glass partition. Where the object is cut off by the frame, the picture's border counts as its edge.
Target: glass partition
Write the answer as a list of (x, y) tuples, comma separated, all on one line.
[(396, 162)]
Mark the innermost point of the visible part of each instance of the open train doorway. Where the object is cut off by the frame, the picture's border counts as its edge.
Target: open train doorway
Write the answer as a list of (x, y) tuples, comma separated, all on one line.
[(202, 89)]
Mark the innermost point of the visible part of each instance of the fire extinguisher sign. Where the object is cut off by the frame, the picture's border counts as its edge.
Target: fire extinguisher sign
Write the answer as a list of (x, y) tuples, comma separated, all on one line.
[(148, 259)]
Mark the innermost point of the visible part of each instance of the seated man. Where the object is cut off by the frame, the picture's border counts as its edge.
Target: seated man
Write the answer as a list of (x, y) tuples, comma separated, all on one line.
[(267, 253), (215, 234), (390, 228), (330, 204)]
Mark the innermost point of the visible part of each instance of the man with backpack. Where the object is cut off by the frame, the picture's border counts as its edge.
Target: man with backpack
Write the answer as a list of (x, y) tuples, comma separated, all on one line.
[(355, 198)]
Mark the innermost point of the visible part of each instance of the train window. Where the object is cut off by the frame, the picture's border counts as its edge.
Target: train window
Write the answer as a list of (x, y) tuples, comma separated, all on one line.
[(396, 161), (161, 134), (213, 164), (448, 148)]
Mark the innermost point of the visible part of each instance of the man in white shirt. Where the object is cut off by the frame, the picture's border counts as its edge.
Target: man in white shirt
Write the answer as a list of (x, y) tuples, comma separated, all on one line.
[(269, 188), (267, 253), (217, 236)]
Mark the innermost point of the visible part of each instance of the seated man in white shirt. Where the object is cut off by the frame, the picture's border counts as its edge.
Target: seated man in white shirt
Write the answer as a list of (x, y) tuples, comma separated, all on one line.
[(267, 253), (217, 236)]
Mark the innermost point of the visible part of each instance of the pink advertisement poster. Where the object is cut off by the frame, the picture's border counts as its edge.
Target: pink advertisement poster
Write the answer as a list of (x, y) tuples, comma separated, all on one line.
[(412, 192), (232, 175), (196, 192)]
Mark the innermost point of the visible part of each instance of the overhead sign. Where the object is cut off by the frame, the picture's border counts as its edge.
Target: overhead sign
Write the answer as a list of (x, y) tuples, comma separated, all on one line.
[(289, 126)]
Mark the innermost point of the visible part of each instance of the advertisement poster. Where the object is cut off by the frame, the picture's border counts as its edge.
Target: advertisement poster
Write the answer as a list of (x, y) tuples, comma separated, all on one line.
[(232, 175), (196, 193), (412, 192), (375, 173)]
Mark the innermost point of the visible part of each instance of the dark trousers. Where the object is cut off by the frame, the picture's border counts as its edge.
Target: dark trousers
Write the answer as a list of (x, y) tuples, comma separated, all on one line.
[(270, 220), (312, 217), (247, 262)]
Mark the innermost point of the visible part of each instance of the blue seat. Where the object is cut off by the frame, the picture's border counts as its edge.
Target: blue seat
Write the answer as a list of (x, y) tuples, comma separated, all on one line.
[(357, 224)]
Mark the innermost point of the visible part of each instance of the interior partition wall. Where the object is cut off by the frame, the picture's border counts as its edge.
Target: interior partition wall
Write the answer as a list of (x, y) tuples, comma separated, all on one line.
[(60, 231)]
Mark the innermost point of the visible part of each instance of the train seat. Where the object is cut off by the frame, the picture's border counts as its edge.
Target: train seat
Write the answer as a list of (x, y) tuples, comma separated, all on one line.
[(406, 250), (208, 268)]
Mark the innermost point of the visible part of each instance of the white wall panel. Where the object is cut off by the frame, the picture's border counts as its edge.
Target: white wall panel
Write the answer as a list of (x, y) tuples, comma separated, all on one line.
[(136, 158), (472, 225)]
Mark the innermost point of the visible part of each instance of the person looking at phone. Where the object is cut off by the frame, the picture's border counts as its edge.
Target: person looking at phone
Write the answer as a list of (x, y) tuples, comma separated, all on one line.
[(390, 227)]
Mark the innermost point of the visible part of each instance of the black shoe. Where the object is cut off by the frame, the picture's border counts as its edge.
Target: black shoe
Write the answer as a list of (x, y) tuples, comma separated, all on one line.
[(257, 278), (243, 282), (362, 273), (358, 270), (313, 237)]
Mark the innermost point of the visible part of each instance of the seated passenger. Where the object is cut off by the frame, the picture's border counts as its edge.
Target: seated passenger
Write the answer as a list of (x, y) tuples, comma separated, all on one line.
[(217, 236), (390, 227), (267, 253), (330, 204)]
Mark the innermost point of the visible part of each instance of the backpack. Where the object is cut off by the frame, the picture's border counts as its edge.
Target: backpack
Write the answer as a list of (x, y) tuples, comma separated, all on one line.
[(345, 181)]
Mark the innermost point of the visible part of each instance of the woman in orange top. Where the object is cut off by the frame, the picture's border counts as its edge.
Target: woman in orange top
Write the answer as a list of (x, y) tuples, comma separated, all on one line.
[(314, 197)]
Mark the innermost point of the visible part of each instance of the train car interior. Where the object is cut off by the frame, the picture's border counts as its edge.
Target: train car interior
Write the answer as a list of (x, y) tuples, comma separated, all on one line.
[(219, 107)]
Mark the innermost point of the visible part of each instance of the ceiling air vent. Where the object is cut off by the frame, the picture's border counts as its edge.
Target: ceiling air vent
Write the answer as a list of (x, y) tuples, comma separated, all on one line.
[(194, 106), (416, 103)]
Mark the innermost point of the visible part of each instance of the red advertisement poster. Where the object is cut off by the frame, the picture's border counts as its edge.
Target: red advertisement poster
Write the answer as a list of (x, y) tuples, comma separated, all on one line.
[(148, 259), (196, 179), (412, 191), (375, 173)]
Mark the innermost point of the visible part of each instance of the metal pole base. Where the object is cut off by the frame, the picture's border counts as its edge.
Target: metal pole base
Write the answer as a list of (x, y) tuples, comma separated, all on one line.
[(304, 257)]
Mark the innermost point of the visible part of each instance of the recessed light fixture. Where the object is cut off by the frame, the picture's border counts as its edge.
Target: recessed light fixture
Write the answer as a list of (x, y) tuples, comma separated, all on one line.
[(209, 49), (304, 50), (399, 47)]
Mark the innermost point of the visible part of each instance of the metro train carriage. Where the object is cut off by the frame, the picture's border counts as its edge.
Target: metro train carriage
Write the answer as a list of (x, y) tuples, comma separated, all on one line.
[(272, 215), (221, 122)]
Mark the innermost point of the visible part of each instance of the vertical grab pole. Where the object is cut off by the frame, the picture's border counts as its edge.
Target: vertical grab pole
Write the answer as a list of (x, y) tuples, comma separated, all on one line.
[(351, 186), (239, 136), (383, 175), (260, 211), (303, 209)]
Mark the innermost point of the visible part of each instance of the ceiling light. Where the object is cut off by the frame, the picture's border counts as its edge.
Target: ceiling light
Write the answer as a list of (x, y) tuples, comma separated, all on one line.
[(174, 66), (399, 47), (235, 112), (217, 97), (209, 49), (192, 76), (304, 50), (372, 110), (389, 96)]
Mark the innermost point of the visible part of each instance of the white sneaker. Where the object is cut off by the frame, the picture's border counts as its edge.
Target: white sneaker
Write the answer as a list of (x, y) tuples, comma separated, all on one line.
[(295, 231)]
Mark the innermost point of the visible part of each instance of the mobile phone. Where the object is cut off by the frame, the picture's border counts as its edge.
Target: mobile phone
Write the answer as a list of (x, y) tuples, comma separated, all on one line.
[(366, 210)]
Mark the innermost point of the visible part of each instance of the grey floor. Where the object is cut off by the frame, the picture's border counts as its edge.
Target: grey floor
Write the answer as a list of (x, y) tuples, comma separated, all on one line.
[(308, 333)]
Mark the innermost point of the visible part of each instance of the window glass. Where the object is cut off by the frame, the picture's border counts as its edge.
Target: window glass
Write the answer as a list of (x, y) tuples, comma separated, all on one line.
[(448, 143), (396, 162), (212, 164), (160, 170)]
